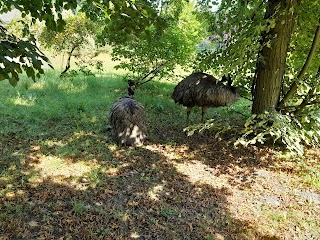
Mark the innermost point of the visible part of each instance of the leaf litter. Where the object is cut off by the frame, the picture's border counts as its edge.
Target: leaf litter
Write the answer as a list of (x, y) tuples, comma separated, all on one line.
[(191, 188)]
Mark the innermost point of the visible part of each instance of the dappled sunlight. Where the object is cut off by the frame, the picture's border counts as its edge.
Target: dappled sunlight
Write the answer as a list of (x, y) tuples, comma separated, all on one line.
[(155, 191), (199, 173), (38, 85), (27, 101), (80, 134), (70, 87), (134, 235), (52, 143), (52, 166), (14, 194), (167, 151)]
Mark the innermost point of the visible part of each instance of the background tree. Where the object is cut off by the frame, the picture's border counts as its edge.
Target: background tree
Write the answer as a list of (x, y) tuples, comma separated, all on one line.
[(141, 13), (172, 47), (76, 37), (261, 44), (271, 48)]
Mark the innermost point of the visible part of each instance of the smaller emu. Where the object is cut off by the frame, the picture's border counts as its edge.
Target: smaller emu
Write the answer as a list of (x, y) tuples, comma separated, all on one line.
[(203, 90), (127, 120)]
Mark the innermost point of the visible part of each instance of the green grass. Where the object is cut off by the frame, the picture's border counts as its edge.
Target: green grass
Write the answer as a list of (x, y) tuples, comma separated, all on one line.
[(78, 207), (83, 103), (57, 159)]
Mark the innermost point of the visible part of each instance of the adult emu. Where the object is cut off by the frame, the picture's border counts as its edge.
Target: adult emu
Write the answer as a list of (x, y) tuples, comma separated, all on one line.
[(127, 119), (203, 90)]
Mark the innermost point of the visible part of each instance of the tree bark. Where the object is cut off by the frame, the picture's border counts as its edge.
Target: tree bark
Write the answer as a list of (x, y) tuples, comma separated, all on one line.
[(68, 61), (271, 61)]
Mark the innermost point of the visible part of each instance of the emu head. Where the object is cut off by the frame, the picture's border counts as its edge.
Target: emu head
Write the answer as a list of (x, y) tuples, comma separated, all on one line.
[(131, 88), (229, 83), (227, 79)]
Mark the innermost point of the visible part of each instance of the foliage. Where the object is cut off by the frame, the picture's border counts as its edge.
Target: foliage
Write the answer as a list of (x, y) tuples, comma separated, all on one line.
[(77, 39), (307, 21), (24, 29), (50, 12), (233, 44), (123, 20), (174, 46), (292, 132), (27, 57), (18, 56), (210, 125), (76, 33)]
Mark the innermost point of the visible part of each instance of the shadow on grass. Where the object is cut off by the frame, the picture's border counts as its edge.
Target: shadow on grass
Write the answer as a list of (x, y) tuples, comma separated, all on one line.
[(127, 193), (63, 178)]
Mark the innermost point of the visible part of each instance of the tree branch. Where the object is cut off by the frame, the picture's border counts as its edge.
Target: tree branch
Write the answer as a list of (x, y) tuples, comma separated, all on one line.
[(154, 72), (69, 60), (307, 98), (294, 86)]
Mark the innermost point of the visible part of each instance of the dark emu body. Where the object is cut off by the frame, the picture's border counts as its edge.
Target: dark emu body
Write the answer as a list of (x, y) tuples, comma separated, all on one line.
[(205, 91), (127, 120)]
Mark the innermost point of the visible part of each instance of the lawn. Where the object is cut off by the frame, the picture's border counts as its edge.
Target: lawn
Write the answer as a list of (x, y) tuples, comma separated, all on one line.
[(62, 177)]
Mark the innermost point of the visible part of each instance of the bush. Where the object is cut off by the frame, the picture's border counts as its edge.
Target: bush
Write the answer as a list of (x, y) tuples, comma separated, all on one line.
[(294, 133)]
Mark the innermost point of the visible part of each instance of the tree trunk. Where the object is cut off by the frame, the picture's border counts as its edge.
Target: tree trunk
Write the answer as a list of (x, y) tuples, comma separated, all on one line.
[(69, 60), (271, 62)]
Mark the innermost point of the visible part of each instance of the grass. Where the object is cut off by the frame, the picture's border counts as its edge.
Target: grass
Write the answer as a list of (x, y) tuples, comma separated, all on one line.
[(78, 207), (61, 176)]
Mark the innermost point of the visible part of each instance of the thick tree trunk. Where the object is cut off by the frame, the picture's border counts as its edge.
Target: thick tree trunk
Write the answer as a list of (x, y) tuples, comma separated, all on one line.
[(272, 57)]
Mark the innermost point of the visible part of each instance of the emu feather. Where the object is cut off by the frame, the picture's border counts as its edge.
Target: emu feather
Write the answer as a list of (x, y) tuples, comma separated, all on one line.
[(127, 120), (203, 90)]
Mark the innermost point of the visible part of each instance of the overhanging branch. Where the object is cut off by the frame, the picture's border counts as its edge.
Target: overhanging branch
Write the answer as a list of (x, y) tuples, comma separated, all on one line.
[(294, 87)]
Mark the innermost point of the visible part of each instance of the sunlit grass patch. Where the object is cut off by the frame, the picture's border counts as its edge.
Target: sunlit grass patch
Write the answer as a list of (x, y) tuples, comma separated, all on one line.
[(72, 86), (310, 173), (50, 166), (21, 100)]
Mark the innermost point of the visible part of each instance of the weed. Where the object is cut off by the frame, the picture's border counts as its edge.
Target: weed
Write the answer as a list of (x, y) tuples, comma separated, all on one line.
[(78, 207), (121, 215), (278, 216), (96, 175), (103, 231), (16, 209), (168, 212)]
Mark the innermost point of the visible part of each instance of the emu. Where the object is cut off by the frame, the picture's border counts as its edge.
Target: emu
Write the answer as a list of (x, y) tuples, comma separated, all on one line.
[(127, 119), (203, 90)]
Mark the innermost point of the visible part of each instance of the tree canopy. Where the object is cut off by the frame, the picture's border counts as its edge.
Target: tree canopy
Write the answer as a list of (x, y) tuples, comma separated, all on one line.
[(131, 18)]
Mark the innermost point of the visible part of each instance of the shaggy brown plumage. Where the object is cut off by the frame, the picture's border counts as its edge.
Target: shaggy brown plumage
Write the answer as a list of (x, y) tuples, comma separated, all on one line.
[(203, 90), (126, 117)]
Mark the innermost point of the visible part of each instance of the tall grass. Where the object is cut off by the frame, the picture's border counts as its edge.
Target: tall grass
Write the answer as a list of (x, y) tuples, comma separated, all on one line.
[(54, 105)]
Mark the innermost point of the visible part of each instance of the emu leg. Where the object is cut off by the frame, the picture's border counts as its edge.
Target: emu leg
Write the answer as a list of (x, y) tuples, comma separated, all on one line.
[(204, 111), (188, 114)]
